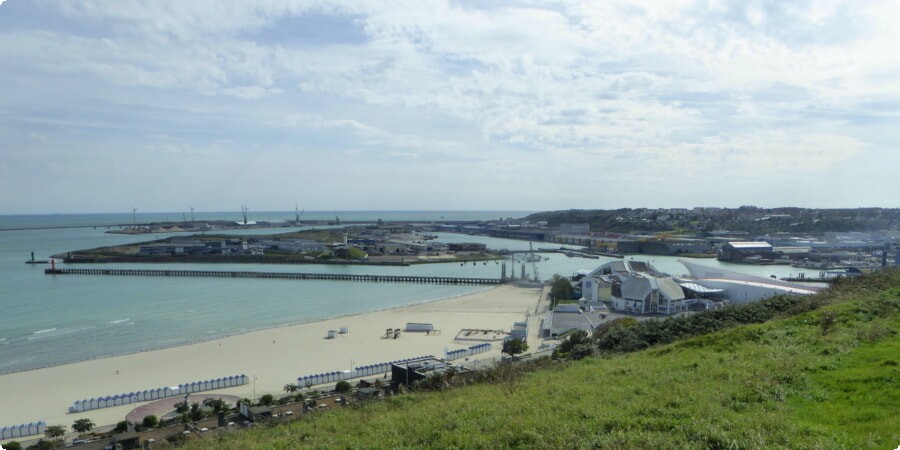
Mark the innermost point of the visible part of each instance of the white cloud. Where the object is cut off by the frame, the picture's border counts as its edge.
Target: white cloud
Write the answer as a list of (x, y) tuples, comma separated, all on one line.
[(493, 92)]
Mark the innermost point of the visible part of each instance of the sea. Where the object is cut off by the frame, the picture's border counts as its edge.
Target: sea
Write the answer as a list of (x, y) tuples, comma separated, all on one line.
[(50, 320)]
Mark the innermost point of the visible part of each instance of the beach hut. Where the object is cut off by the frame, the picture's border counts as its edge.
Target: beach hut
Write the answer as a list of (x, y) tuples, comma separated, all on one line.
[(32, 429), (344, 330), (93, 403), (244, 379), (102, 402), (118, 400), (3, 434), (78, 406), (332, 334), (204, 385)]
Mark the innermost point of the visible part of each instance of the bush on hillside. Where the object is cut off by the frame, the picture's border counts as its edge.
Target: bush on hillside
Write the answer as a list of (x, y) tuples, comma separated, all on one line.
[(627, 336)]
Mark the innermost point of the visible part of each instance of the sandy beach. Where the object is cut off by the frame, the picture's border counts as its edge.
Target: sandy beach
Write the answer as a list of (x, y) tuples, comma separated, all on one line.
[(272, 358)]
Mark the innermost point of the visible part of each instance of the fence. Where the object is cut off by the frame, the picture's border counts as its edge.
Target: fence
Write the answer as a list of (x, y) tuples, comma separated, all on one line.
[(466, 352), (361, 371), (23, 430), (158, 393)]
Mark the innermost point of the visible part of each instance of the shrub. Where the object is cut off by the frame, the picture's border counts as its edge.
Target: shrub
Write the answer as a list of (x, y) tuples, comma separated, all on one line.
[(342, 386), (267, 400), (121, 427), (150, 421), (576, 346)]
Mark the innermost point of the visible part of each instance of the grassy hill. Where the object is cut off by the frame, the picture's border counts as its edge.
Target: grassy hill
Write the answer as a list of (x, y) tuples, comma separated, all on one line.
[(823, 378)]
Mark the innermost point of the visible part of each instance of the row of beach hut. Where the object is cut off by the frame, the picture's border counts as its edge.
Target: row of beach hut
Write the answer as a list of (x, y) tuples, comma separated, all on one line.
[(23, 430), (361, 371), (466, 352), (155, 394)]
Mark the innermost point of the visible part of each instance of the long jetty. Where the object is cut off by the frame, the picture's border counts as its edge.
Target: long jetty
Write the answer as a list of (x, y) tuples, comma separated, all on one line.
[(275, 275)]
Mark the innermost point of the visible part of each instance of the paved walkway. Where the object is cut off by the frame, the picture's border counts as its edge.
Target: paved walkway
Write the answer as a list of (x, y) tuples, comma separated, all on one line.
[(161, 407)]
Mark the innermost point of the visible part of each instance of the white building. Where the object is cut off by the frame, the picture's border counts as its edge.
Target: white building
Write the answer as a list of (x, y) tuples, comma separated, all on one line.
[(743, 288), (633, 286)]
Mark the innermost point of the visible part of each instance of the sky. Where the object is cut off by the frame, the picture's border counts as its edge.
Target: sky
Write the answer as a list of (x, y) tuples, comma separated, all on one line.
[(434, 105)]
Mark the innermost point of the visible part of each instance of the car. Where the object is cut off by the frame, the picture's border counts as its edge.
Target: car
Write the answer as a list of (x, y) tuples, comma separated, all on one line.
[(204, 430), (289, 413)]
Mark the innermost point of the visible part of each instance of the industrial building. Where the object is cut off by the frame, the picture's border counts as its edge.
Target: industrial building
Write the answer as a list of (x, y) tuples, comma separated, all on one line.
[(675, 246), (746, 251), (408, 372)]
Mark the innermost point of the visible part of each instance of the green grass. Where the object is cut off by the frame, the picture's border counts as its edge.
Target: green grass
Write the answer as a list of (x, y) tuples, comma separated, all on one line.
[(795, 382)]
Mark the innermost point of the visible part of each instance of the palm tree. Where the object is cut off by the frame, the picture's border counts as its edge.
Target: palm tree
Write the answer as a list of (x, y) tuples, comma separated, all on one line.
[(290, 387)]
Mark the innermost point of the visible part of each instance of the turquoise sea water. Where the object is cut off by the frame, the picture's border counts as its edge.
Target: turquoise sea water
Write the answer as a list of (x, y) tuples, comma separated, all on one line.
[(47, 320)]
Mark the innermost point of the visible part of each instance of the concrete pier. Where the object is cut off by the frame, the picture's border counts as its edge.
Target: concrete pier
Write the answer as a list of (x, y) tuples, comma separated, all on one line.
[(276, 275)]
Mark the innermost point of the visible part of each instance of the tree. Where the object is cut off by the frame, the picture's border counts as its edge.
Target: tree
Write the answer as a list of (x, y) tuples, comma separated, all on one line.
[(12, 445), (83, 425), (150, 421), (47, 445), (121, 427), (217, 404), (560, 289), (342, 386), (291, 387), (55, 431), (513, 347), (196, 412), (267, 400)]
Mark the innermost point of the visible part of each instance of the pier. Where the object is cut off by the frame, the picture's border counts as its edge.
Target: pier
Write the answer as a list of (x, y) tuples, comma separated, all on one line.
[(275, 275)]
